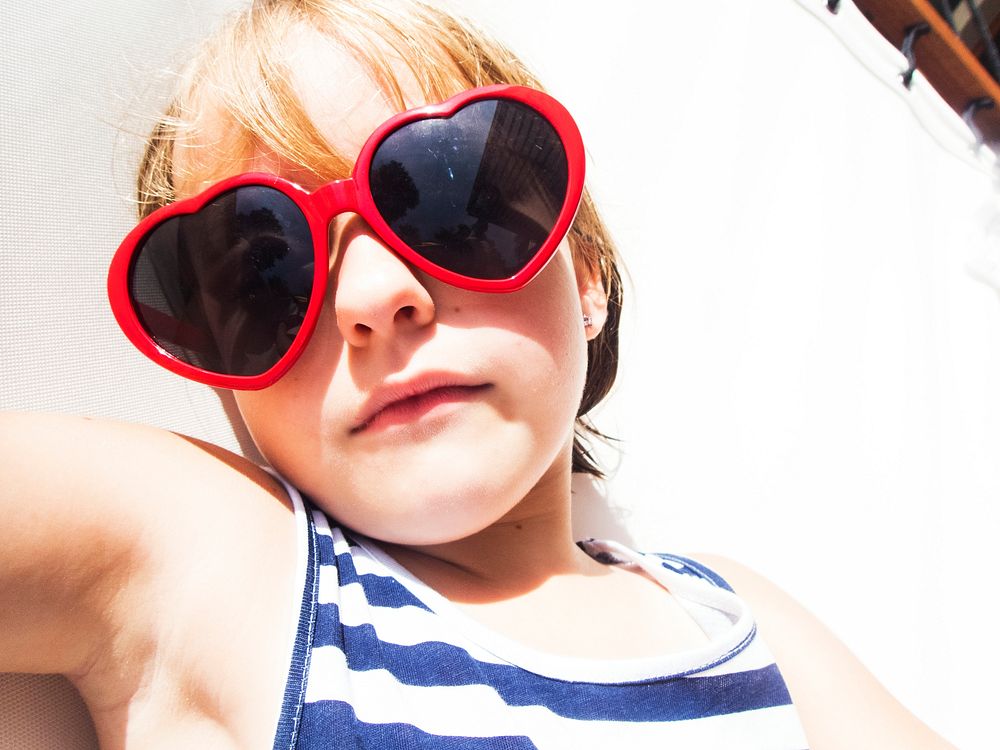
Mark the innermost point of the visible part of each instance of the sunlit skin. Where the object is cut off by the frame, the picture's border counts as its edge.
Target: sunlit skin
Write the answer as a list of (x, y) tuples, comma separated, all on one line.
[(470, 492), (466, 485), (466, 480)]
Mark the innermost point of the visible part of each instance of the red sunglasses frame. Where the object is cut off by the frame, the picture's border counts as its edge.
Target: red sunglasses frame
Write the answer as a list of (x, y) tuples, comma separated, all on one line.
[(348, 195)]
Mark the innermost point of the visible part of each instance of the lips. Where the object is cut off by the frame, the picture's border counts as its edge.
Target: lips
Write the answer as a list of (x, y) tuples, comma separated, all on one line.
[(403, 402)]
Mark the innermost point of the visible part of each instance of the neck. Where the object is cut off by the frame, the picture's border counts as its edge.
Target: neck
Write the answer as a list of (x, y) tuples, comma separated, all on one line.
[(518, 553)]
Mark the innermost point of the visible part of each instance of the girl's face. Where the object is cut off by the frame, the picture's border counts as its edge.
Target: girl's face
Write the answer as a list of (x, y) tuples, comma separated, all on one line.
[(421, 413)]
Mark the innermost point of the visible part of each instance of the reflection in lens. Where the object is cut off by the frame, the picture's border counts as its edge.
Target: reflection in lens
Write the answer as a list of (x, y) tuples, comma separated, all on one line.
[(226, 289), (477, 193)]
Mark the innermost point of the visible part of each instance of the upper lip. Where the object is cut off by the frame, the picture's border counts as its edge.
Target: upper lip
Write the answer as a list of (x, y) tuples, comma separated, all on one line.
[(392, 392)]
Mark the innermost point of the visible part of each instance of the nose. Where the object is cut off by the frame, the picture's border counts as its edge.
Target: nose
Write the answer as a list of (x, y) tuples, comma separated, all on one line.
[(376, 293)]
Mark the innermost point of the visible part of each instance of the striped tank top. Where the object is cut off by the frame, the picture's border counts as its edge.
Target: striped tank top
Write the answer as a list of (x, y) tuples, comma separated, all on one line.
[(381, 661)]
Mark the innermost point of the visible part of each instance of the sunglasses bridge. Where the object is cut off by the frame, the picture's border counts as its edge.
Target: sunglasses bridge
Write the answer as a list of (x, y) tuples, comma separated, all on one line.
[(335, 198)]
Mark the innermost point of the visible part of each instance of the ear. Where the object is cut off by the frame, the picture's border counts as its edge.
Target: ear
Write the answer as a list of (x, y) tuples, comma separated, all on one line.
[(593, 299)]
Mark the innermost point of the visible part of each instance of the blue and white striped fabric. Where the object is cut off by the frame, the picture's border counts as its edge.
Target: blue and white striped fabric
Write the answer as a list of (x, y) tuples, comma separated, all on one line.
[(381, 661)]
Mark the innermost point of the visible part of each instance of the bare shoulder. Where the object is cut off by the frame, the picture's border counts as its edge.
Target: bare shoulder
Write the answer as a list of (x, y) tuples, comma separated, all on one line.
[(826, 681), (90, 507), (125, 553), (56, 449), (86, 469)]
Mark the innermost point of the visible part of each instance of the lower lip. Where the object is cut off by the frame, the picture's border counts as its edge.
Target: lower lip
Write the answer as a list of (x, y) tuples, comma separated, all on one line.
[(431, 403)]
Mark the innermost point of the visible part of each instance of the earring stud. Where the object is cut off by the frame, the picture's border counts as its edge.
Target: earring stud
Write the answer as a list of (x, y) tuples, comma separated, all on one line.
[(587, 321)]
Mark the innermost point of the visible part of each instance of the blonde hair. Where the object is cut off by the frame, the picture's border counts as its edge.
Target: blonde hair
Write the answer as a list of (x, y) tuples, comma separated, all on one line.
[(240, 74)]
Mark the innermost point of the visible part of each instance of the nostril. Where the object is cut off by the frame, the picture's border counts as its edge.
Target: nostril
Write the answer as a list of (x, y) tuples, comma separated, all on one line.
[(362, 329), (406, 313)]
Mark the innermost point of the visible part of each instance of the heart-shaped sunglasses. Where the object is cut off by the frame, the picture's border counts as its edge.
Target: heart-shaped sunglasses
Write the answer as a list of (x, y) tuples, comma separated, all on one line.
[(225, 287)]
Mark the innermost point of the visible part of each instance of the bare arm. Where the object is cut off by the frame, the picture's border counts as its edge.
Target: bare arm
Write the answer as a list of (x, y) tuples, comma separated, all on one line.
[(66, 540), (841, 704), (114, 539)]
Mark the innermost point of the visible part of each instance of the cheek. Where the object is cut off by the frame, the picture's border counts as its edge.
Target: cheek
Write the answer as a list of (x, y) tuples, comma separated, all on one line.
[(288, 420), (273, 424), (435, 490), (548, 317), (546, 313), (545, 358)]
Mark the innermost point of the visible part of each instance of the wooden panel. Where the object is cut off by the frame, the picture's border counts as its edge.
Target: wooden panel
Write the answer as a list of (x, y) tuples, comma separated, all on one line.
[(941, 57)]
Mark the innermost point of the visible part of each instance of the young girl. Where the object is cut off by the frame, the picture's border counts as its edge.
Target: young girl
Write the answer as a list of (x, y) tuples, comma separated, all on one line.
[(412, 328)]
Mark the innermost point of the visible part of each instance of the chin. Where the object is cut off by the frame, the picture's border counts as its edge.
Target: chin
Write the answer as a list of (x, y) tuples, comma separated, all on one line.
[(426, 513), (443, 490), (413, 535)]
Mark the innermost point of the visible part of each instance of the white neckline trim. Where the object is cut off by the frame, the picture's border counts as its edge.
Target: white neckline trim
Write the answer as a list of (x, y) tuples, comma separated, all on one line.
[(722, 647), (302, 560)]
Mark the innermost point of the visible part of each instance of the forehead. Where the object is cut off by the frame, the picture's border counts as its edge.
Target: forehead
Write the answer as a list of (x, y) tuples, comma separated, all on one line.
[(322, 83), (337, 92)]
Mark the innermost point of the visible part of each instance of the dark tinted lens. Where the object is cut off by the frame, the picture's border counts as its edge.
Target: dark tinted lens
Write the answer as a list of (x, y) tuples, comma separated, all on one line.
[(477, 193), (226, 289)]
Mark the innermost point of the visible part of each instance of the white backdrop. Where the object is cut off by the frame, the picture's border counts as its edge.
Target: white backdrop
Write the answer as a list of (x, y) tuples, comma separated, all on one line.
[(812, 339)]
